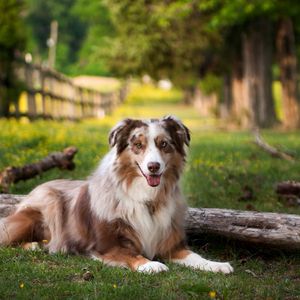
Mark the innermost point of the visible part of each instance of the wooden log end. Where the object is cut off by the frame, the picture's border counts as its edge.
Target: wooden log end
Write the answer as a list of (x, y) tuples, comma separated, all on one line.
[(288, 188)]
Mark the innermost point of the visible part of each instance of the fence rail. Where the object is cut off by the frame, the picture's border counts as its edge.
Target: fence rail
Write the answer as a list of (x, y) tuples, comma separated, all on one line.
[(52, 95)]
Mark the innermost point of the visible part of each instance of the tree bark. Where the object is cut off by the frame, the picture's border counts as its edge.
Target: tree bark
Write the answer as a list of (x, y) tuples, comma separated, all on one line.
[(6, 82), (62, 160), (239, 111), (188, 95), (272, 229), (287, 59), (226, 103), (257, 55)]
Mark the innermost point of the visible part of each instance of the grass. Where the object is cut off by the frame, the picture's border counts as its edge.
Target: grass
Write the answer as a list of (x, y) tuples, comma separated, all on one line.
[(220, 165)]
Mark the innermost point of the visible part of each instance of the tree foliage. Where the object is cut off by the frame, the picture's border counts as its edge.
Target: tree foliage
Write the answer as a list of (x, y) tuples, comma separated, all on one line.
[(82, 30), (99, 29), (71, 31), (163, 39), (11, 25)]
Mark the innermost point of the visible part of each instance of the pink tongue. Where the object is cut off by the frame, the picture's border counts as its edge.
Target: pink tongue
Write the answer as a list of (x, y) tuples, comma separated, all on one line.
[(153, 180)]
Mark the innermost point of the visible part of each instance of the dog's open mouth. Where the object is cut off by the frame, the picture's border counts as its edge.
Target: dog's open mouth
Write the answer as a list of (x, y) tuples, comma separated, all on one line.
[(153, 179)]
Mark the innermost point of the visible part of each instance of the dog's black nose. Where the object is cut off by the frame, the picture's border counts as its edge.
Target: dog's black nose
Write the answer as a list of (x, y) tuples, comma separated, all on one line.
[(153, 167)]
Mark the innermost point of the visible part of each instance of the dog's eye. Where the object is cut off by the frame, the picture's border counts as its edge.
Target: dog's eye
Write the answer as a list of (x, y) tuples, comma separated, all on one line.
[(163, 144), (138, 145)]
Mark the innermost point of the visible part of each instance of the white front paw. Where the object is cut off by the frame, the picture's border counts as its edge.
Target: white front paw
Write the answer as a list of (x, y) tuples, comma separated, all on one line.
[(215, 267), (152, 267), (195, 261)]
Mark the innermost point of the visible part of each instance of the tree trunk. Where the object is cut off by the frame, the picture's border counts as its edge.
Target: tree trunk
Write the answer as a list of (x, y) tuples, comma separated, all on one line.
[(226, 104), (272, 229), (287, 60), (257, 55), (5, 83), (238, 108), (206, 105), (188, 95)]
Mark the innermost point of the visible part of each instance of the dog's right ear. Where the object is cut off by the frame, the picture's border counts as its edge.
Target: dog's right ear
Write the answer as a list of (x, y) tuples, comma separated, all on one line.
[(116, 131), (119, 135)]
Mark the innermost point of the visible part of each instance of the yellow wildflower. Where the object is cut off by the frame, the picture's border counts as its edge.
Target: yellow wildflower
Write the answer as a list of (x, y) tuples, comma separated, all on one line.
[(21, 285), (212, 294)]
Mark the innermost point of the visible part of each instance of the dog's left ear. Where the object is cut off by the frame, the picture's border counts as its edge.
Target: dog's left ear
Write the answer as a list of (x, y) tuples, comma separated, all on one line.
[(179, 132), (119, 135)]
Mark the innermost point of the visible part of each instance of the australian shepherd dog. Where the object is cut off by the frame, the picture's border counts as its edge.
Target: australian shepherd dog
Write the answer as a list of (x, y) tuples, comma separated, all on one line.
[(129, 212)]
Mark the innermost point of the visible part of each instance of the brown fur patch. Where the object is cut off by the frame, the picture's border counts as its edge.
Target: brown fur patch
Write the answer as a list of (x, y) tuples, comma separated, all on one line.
[(174, 170), (125, 169), (116, 233), (122, 258), (179, 133), (180, 253), (121, 134), (84, 223), (174, 241), (159, 142), (86, 232), (83, 213), (23, 226), (138, 143)]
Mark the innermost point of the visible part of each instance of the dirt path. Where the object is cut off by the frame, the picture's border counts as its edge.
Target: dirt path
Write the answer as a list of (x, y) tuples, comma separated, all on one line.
[(149, 102)]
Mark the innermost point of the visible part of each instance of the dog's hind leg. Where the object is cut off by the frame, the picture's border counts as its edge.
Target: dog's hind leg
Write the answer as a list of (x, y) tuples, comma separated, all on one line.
[(19, 227)]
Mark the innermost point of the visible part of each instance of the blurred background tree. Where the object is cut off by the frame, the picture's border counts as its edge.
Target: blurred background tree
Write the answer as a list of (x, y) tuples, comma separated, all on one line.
[(189, 41), (233, 49), (12, 39)]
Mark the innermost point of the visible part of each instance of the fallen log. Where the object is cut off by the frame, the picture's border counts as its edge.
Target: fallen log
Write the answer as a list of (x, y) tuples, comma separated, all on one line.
[(272, 229), (62, 160), (288, 188), (289, 192), (270, 149)]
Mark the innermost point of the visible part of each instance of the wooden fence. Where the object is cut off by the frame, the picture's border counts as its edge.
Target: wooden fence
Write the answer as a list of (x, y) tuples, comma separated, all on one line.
[(52, 95)]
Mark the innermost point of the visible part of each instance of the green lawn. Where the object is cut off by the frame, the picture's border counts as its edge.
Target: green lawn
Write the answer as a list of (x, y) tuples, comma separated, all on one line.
[(220, 165)]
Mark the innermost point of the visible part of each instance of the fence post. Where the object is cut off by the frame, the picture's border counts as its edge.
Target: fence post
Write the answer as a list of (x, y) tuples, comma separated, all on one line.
[(30, 91), (60, 98)]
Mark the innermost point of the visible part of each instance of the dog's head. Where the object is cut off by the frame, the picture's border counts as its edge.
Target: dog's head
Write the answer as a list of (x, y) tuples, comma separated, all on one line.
[(150, 148)]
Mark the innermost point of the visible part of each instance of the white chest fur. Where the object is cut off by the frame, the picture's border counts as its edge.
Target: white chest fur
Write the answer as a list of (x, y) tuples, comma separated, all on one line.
[(132, 207), (152, 229)]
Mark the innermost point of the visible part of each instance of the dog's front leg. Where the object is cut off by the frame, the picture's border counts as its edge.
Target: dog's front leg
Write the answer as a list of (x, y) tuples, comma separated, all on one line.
[(119, 257), (191, 259)]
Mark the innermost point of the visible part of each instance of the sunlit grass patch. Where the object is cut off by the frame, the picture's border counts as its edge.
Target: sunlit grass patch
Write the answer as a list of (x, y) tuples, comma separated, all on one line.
[(151, 95)]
